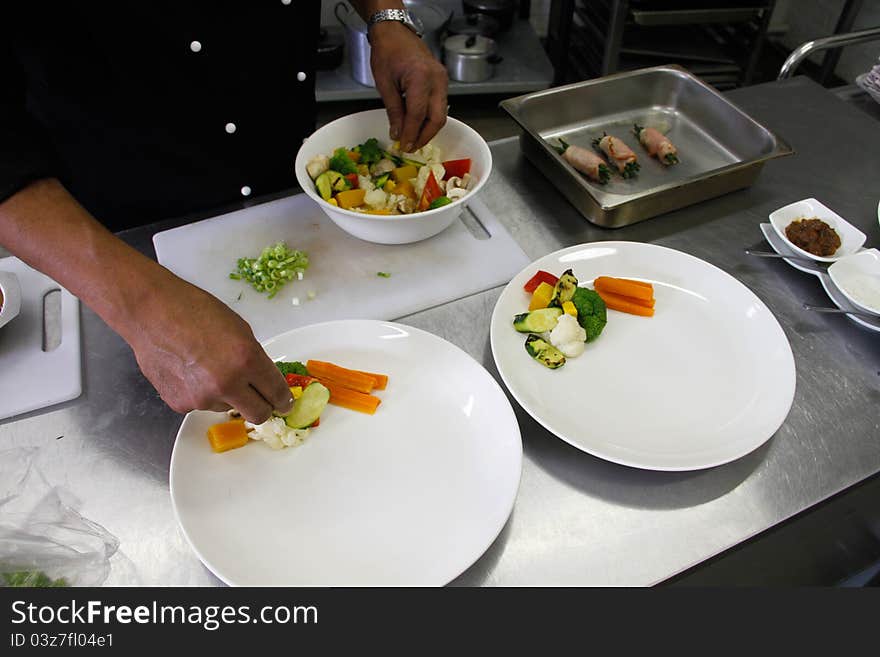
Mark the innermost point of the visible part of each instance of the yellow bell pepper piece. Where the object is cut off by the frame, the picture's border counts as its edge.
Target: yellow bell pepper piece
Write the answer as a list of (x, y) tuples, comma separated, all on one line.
[(351, 198), (541, 296), (404, 173), (296, 391), (569, 309), (227, 435), (333, 201)]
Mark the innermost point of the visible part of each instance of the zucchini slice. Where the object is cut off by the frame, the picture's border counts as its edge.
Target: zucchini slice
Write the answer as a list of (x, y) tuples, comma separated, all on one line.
[(308, 407), (537, 321), (544, 352), (564, 289)]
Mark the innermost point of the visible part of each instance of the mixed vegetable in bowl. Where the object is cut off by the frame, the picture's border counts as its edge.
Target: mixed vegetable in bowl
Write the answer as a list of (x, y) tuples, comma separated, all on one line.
[(371, 179)]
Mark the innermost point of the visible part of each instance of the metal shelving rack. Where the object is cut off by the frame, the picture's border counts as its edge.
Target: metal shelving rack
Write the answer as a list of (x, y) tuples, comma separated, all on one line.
[(717, 40)]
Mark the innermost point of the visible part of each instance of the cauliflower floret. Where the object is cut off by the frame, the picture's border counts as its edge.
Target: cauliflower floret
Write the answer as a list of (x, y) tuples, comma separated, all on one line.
[(276, 434), (568, 336), (382, 166), (376, 199), (364, 182), (428, 153), (318, 165)]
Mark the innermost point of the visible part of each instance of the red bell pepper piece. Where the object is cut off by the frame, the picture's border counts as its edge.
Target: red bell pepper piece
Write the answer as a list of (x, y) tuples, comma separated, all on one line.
[(456, 168), (352, 179), (540, 277), (432, 190), (300, 380)]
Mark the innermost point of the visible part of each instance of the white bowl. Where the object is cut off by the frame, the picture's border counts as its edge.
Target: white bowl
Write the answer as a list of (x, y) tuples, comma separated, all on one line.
[(11, 291), (851, 238), (456, 140), (858, 278)]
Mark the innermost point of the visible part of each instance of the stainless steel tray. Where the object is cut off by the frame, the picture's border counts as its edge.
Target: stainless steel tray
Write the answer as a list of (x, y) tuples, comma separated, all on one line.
[(720, 147)]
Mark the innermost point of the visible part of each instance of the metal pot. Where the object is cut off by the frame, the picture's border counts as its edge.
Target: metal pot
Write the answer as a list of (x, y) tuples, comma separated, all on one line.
[(481, 24), (501, 10), (330, 50), (431, 20), (470, 58)]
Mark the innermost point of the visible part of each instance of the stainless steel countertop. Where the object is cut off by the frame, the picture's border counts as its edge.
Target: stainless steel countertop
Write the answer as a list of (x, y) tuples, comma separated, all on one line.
[(578, 520)]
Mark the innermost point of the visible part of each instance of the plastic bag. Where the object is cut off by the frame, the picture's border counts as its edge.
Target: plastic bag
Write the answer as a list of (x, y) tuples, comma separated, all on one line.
[(44, 541)]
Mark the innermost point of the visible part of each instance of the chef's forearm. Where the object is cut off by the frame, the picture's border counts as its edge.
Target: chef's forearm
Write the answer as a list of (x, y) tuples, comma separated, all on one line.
[(45, 227)]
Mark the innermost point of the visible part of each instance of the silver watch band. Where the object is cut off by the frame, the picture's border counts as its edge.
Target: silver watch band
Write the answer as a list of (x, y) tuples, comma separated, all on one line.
[(399, 15)]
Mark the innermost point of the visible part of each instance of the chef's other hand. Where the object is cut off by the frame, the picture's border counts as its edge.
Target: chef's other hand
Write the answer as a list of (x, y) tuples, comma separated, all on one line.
[(412, 83), (198, 354)]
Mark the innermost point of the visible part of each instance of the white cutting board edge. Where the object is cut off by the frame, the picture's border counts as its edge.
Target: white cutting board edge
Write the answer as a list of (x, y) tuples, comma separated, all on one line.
[(31, 379), (343, 269)]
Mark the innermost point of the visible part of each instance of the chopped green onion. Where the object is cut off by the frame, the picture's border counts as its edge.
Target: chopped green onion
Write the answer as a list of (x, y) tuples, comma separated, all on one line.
[(272, 269), (383, 274)]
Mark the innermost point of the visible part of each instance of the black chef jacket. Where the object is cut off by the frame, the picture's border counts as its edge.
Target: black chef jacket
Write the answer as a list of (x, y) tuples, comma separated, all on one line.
[(148, 110)]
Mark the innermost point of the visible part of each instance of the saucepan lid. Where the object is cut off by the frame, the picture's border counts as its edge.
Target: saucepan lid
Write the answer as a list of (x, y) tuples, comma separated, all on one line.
[(470, 45)]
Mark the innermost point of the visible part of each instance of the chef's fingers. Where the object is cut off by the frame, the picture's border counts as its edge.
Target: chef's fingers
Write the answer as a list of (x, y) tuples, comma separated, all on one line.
[(219, 407), (387, 88), (251, 404), (437, 110), (417, 96), (270, 384)]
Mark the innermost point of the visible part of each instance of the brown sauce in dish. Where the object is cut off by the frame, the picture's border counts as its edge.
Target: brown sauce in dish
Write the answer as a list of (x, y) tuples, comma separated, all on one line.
[(813, 236)]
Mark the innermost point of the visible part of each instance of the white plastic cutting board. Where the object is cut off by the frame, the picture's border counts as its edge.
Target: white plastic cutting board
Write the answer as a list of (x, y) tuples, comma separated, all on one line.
[(31, 378), (343, 269)]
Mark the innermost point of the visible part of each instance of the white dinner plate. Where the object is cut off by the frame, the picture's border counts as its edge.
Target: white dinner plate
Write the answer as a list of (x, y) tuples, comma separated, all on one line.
[(412, 495), (706, 380)]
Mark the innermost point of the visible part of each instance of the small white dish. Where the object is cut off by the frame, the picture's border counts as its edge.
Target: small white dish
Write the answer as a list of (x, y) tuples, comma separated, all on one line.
[(858, 278), (10, 297), (851, 238)]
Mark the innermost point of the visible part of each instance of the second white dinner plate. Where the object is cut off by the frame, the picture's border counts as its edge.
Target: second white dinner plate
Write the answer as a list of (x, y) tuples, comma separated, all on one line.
[(412, 495), (709, 378)]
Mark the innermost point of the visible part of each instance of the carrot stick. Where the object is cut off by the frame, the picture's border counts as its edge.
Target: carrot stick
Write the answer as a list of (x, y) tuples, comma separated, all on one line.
[(352, 399), (349, 378), (617, 302), (620, 297), (624, 287), (380, 381)]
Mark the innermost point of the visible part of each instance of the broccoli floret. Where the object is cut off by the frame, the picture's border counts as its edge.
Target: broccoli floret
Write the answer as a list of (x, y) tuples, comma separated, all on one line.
[(342, 163), (292, 368), (370, 151), (591, 312)]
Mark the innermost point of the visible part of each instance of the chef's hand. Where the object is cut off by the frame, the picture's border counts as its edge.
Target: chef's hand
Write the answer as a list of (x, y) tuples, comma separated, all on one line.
[(198, 354), (412, 84)]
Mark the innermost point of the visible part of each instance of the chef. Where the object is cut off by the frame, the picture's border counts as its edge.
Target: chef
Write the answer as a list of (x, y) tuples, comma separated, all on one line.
[(119, 114)]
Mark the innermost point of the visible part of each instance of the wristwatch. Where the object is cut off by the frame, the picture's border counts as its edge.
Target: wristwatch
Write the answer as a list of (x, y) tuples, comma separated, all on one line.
[(399, 15)]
